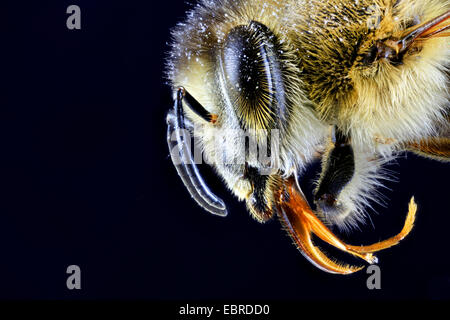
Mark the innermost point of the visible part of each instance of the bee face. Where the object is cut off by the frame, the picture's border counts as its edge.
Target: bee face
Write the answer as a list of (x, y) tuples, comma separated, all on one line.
[(251, 75), (241, 67)]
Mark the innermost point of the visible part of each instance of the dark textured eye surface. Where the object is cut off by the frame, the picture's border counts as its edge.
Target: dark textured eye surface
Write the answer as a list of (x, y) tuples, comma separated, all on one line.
[(252, 74), (370, 56), (412, 22)]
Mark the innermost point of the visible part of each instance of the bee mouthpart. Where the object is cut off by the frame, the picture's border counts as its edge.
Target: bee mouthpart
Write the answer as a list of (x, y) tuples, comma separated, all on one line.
[(301, 222), (437, 27)]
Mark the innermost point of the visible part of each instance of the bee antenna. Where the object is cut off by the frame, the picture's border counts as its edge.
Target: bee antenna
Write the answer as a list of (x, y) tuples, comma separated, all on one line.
[(184, 163)]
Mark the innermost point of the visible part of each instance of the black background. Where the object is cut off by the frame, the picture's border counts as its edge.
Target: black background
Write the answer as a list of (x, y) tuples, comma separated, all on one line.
[(85, 179)]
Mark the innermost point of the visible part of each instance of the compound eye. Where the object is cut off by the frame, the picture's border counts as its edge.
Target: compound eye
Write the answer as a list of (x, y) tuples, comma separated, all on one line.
[(253, 80)]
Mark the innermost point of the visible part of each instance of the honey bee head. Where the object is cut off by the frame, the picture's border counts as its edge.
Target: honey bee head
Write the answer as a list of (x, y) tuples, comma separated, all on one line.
[(377, 67), (260, 70), (235, 60)]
